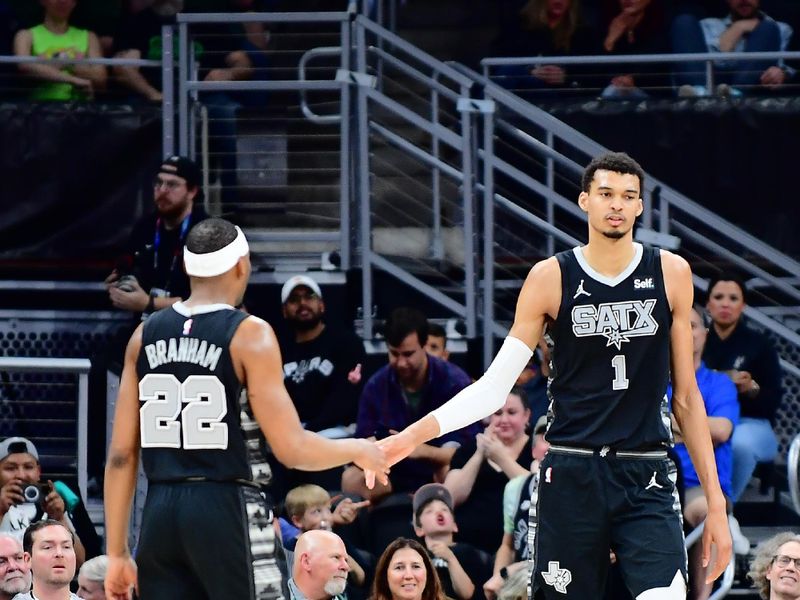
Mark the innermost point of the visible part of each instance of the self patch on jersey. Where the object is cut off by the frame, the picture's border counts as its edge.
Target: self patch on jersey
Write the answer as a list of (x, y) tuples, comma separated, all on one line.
[(615, 321)]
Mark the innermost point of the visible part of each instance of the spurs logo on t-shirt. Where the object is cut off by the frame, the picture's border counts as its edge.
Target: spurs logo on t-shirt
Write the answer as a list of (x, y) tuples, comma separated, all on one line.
[(615, 321), (297, 370)]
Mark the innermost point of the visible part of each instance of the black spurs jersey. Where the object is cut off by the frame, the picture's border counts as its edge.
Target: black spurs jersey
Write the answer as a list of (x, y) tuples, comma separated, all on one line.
[(195, 419), (610, 355)]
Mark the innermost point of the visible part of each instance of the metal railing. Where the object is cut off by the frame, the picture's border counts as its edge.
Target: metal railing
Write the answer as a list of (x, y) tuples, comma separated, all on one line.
[(707, 58), (76, 366), (692, 538)]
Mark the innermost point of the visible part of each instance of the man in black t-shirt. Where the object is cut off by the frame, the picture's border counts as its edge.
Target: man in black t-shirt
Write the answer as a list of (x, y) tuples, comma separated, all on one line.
[(150, 275), (321, 369)]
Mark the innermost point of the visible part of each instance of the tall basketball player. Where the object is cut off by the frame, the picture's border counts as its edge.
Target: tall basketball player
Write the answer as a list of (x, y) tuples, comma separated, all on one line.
[(199, 379), (617, 315)]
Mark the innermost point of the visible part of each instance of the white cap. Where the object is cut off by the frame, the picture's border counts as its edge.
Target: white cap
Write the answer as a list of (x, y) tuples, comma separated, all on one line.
[(17, 445), (296, 281)]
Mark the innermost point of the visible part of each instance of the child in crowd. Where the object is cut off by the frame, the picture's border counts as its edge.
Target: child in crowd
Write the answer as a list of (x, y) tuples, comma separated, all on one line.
[(459, 566)]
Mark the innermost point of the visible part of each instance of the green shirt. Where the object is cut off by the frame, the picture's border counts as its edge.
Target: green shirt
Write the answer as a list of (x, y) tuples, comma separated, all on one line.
[(74, 43)]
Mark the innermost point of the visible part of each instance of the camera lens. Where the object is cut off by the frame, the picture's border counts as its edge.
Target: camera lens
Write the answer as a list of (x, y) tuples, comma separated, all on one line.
[(32, 494)]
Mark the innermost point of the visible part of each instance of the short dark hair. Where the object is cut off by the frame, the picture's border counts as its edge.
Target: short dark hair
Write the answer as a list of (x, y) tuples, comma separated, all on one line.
[(404, 321), (436, 330), (727, 276), (210, 235), (27, 538), (618, 162)]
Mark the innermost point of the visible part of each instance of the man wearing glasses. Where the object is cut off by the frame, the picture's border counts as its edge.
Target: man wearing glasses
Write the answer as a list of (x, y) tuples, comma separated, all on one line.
[(150, 276), (775, 570)]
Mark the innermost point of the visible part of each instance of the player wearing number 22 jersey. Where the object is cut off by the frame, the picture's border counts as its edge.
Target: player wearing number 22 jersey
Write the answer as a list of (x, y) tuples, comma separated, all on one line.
[(200, 380)]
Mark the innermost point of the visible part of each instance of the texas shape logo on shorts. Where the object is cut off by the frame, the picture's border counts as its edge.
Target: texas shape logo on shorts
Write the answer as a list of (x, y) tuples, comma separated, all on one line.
[(557, 577)]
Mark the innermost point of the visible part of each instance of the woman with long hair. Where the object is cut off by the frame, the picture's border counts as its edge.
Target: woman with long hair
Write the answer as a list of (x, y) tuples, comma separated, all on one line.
[(405, 572)]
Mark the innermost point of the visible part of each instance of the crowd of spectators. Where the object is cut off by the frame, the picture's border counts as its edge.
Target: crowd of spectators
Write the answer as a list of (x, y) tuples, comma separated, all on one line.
[(548, 28)]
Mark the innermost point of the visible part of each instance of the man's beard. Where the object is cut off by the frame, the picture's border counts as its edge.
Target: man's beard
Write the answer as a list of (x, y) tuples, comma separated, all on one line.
[(335, 586), (615, 234), (306, 324), (16, 586)]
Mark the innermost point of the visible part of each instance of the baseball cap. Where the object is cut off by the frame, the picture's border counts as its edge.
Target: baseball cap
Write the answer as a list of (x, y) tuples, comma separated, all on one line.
[(182, 167), (541, 425), (428, 492), (296, 281), (17, 445)]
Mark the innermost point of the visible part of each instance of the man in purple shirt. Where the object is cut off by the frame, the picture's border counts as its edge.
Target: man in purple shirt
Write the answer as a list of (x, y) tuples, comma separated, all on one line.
[(409, 387)]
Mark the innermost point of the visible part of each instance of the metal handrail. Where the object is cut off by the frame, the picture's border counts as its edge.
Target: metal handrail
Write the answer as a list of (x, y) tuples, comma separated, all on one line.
[(792, 463), (301, 75), (79, 367)]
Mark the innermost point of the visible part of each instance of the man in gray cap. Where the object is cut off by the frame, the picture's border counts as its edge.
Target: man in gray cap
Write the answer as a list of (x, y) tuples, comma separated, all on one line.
[(23, 498)]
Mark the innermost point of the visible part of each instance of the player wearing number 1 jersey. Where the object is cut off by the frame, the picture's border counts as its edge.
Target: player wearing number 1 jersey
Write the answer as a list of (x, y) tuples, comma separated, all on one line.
[(199, 379), (617, 315)]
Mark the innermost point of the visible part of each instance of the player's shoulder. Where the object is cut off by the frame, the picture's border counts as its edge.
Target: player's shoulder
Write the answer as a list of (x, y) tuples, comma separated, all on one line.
[(545, 270), (673, 263), (254, 333)]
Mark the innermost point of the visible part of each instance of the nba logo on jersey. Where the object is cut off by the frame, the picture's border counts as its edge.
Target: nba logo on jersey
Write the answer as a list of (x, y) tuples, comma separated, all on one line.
[(548, 474), (187, 327)]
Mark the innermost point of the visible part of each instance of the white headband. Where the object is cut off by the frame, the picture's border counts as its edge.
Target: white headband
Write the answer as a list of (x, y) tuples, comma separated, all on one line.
[(216, 263)]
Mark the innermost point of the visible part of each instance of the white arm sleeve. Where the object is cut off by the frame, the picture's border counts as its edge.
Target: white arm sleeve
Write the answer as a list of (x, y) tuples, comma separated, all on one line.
[(489, 393)]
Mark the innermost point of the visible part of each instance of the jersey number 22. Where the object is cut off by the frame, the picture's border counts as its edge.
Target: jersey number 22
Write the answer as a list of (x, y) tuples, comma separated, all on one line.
[(200, 426)]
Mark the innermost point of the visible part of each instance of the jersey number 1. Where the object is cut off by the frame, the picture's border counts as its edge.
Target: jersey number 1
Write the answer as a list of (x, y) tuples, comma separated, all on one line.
[(200, 421), (620, 368)]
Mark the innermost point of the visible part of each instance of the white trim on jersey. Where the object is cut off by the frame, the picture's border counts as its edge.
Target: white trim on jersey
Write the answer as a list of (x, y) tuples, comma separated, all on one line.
[(202, 309), (638, 252)]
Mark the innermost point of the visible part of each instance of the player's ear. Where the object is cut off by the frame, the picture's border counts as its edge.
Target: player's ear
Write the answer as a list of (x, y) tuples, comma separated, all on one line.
[(640, 209), (583, 199)]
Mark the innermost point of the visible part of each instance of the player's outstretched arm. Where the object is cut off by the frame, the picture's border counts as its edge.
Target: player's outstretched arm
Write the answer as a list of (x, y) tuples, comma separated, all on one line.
[(690, 412), (120, 477), (257, 358), (539, 297)]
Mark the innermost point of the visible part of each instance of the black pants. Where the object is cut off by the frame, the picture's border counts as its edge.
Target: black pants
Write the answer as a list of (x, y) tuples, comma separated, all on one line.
[(206, 540), (590, 504)]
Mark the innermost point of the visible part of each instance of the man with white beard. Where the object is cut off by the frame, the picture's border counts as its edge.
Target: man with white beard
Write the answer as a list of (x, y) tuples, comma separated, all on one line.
[(320, 567), (15, 567)]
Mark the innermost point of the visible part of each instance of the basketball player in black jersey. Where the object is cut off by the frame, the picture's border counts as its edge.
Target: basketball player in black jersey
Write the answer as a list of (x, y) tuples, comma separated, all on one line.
[(617, 315), (199, 379)]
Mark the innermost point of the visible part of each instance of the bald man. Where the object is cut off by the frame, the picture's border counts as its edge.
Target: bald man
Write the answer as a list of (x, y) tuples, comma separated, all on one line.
[(320, 566)]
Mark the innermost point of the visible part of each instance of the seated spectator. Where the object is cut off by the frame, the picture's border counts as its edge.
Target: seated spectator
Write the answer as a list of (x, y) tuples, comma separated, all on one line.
[(744, 29), (320, 567), (437, 341), (56, 38), (775, 570), (15, 567), (722, 408), (750, 358), (460, 566), (91, 578), (219, 58), (150, 276), (410, 386), (533, 380), (635, 27), (309, 509), (322, 364), (20, 470), (519, 508), (51, 548), (545, 28), (481, 467), (405, 572)]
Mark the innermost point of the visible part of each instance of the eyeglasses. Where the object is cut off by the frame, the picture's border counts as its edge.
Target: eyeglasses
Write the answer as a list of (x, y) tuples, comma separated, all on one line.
[(170, 184), (298, 298), (783, 561)]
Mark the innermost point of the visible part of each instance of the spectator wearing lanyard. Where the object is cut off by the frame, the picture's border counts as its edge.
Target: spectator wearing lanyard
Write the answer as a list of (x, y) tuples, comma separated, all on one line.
[(150, 275)]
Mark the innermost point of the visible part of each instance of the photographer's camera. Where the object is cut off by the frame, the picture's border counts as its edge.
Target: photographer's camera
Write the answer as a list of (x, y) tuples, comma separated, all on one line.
[(35, 494)]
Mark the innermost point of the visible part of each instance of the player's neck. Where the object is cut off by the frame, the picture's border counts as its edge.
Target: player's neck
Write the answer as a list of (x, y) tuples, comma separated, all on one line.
[(42, 591), (311, 334), (607, 256), (205, 294)]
